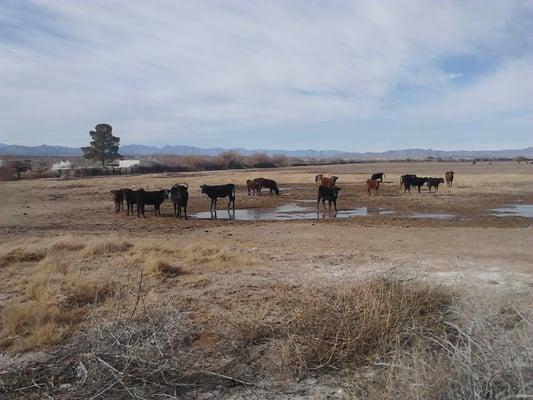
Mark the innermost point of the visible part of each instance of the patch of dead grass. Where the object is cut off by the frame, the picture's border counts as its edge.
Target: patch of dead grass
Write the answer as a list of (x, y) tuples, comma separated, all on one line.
[(106, 245), (157, 265), (21, 253)]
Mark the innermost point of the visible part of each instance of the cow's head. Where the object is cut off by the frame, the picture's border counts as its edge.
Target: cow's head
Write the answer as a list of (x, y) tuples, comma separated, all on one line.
[(204, 187)]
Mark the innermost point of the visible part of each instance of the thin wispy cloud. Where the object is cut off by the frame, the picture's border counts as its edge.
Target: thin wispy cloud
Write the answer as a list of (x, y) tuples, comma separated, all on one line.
[(358, 75)]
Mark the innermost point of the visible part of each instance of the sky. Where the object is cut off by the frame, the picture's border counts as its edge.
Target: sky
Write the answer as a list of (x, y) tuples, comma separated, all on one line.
[(344, 75)]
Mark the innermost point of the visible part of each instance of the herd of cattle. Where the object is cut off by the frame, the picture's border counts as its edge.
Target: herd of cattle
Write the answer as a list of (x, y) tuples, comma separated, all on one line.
[(327, 191)]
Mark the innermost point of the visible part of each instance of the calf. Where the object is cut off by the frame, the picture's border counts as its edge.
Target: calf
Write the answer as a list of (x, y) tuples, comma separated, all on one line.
[(435, 182), (329, 194), (216, 191), (179, 194), (378, 175), (267, 183), (118, 198), (412, 180), (372, 184), (449, 178), (154, 198), (131, 198)]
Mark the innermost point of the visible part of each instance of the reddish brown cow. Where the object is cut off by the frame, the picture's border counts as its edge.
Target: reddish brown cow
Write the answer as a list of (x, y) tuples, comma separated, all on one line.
[(372, 184), (326, 181)]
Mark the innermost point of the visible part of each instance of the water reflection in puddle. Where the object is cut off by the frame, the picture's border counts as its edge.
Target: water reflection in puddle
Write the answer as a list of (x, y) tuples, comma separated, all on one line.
[(287, 212), (431, 216), (514, 210)]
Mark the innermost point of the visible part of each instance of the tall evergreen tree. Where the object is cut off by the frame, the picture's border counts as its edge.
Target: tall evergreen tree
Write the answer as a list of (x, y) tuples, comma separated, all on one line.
[(104, 146)]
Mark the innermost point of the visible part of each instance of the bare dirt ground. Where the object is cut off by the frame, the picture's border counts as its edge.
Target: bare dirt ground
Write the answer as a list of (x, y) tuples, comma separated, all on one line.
[(55, 234)]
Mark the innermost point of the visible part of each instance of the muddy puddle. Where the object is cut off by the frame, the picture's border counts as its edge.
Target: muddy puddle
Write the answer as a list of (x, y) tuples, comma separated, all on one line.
[(288, 212), (514, 210)]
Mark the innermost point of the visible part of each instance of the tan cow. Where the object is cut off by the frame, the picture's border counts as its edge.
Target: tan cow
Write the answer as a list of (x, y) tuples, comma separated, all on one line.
[(449, 178)]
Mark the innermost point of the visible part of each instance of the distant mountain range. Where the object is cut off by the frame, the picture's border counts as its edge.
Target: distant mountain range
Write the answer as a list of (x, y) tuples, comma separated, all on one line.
[(142, 150)]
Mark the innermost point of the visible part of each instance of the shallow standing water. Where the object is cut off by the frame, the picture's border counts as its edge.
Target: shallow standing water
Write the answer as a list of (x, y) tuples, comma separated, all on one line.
[(514, 210), (288, 212)]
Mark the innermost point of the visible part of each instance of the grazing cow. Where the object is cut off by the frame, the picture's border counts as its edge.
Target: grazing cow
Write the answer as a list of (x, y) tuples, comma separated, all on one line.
[(216, 191), (118, 198), (329, 194), (131, 198), (434, 182), (378, 175), (151, 198), (372, 184), (179, 195), (412, 180), (267, 183), (449, 178), (257, 183), (252, 187)]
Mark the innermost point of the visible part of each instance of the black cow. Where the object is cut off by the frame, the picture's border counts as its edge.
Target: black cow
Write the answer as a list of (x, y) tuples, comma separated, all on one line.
[(435, 182), (267, 183), (329, 194), (131, 198), (412, 180), (216, 191), (153, 198), (378, 175), (118, 198), (179, 195)]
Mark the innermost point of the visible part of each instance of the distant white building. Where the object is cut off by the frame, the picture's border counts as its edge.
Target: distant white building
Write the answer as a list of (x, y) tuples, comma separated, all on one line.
[(62, 166), (140, 163)]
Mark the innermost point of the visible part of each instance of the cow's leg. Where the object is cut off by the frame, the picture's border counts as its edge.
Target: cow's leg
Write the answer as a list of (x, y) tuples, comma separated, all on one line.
[(185, 211), (335, 205)]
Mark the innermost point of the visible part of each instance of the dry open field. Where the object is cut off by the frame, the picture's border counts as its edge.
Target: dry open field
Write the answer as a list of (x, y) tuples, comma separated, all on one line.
[(384, 305)]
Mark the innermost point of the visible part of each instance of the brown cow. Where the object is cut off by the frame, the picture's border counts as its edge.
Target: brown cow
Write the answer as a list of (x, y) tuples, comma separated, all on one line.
[(118, 198), (372, 184), (252, 187), (267, 183), (326, 181), (449, 178)]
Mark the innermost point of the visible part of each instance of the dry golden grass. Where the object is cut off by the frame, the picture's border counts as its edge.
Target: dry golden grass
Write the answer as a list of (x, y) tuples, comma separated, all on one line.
[(347, 325), (67, 274), (157, 265), (357, 324), (20, 253), (105, 245)]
